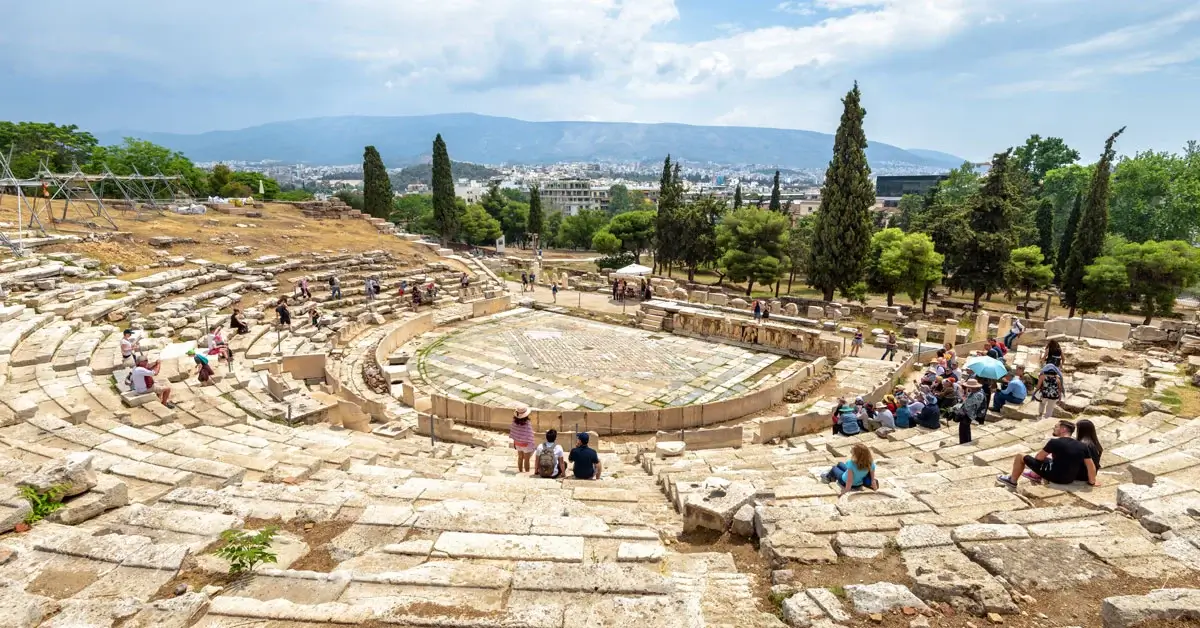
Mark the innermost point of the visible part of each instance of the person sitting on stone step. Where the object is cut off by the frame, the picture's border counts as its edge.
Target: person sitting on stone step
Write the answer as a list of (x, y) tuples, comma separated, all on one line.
[(1013, 392), (884, 416), (904, 416), (548, 459), (586, 461), (930, 416), (143, 382), (845, 420), (1062, 460), (855, 473)]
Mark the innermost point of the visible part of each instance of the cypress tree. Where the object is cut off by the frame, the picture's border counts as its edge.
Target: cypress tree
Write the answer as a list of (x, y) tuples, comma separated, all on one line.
[(1064, 245), (990, 235), (537, 220), (1045, 226), (446, 213), (775, 206), (666, 223), (377, 187), (737, 197), (1092, 227), (842, 234)]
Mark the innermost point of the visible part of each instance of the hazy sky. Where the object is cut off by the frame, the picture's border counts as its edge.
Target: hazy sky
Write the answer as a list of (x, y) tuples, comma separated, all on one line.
[(965, 76)]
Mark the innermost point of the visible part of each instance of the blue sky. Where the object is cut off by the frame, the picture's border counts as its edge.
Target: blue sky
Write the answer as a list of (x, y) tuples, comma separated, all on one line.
[(968, 77)]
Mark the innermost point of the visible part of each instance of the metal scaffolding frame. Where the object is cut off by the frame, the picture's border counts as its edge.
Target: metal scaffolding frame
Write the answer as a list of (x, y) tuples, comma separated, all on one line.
[(9, 181), (78, 195)]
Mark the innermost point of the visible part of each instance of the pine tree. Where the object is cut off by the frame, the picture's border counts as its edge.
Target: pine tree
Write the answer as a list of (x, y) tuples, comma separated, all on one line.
[(842, 236), (775, 206), (1045, 227), (1092, 227), (537, 220), (377, 187), (990, 236), (1064, 245), (447, 216), (737, 197)]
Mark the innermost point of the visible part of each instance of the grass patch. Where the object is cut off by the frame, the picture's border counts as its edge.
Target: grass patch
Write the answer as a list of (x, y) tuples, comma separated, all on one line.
[(1133, 400), (839, 591), (1183, 400)]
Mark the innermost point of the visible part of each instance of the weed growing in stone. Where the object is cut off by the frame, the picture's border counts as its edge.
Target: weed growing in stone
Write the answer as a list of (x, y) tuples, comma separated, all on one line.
[(245, 551), (42, 504)]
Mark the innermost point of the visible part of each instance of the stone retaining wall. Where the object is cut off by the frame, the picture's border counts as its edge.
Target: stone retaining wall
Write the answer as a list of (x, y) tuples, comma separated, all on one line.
[(793, 341), (488, 307), (670, 419)]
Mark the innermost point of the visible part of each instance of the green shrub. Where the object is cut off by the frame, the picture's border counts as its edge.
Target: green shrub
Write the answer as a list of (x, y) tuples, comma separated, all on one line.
[(42, 504), (245, 551)]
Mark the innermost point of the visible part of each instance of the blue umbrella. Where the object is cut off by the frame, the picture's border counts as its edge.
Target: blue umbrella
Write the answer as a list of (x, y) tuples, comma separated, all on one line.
[(983, 366)]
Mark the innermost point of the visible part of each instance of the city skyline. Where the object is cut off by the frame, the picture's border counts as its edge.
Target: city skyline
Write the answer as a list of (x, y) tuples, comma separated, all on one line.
[(967, 77)]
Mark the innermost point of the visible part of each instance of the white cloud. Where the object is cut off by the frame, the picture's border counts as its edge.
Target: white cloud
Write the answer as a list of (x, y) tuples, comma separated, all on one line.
[(795, 7), (1134, 35)]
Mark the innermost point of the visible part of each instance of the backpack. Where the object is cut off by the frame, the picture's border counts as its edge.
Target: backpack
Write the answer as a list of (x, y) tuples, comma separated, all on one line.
[(1050, 386), (546, 462)]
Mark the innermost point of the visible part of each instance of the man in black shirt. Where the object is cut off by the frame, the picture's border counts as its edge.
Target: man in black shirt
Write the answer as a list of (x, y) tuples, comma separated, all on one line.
[(587, 461), (1061, 461)]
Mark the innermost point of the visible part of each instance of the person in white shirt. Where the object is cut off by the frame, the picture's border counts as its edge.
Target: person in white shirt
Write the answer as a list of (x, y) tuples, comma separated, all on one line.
[(129, 346), (143, 382), (1014, 332), (549, 461), (884, 416)]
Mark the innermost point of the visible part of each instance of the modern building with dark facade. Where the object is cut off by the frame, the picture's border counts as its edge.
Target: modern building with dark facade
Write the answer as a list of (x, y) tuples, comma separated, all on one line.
[(890, 189)]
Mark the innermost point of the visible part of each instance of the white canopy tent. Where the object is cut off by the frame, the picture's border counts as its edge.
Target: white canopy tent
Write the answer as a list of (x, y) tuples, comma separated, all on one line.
[(633, 270)]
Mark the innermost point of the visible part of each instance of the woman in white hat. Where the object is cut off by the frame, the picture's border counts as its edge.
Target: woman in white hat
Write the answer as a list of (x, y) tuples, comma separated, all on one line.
[(973, 408), (521, 433)]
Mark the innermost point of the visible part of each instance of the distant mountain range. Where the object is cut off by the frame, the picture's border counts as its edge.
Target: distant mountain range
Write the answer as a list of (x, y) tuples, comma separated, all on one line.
[(493, 140)]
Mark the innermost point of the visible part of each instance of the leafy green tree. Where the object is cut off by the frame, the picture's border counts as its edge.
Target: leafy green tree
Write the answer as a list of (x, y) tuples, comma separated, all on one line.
[(842, 235), (447, 216), (493, 201), (990, 236), (635, 230), (886, 269), (605, 242), (912, 206), (947, 208), (1093, 225), (577, 231), (295, 195), (553, 221), (235, 189), (353, 198), (774, 204), (409, 208), (478, 227), (1045, 228), (924, 267), (799, 242), (1027, 271), (377, 187), (737, 197), (516, 195), (147, 158), (699, 220), (619, 200), (1156, 196), (1150, 274), (30, 143), (755, 245), (220, 176), (251, 181), (1062, 186), (535, 223), (513, 221), (1041, 155)]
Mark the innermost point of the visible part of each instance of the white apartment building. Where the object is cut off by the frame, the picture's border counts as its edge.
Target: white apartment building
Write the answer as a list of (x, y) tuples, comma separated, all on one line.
[(469, 191), (572, 195)]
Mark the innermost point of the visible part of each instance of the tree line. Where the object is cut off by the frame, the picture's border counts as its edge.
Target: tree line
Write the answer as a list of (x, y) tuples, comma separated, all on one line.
[(61, 148)]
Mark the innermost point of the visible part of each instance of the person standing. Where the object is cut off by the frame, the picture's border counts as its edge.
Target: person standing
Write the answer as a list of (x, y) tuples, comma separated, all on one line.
[(856, 344), (757, 311), (285, 315), (524, 281), (889, 350), (335, 287), (204, 372), (616, 286), (974, 408), (1049, 389), (554, 291), (369, 290), (304, 291), (521, 433)]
